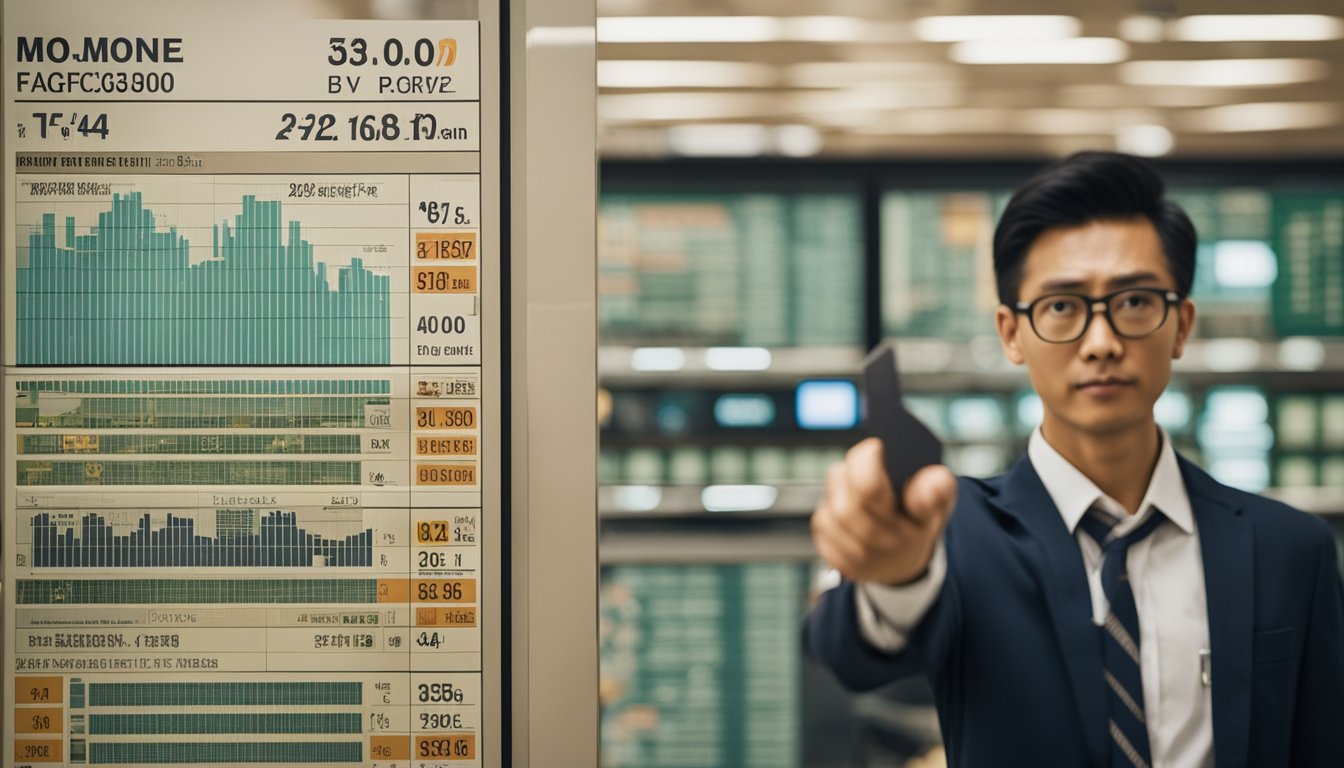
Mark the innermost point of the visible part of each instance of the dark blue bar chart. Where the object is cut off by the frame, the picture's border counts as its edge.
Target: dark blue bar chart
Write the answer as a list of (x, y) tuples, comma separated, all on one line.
[(243, 538)]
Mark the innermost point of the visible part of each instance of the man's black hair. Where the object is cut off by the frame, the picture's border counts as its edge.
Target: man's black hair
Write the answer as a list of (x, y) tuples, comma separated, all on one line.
[(1084, 187)]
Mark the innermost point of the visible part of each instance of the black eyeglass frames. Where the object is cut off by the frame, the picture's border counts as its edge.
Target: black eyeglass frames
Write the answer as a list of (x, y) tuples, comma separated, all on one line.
[(1132, 313)]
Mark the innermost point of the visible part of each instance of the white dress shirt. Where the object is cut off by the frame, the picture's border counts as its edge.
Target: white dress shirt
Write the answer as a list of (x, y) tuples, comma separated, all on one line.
[(1166, 572)]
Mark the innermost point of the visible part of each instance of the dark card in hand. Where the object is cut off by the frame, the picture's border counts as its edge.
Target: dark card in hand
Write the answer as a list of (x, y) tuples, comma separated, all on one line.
[(909, 445)]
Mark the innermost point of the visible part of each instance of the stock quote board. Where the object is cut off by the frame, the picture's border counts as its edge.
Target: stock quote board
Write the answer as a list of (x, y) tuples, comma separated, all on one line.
[(247, 388)]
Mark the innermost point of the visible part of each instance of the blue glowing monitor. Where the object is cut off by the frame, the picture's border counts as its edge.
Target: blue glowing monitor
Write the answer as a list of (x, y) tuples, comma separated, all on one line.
[(827, 404)]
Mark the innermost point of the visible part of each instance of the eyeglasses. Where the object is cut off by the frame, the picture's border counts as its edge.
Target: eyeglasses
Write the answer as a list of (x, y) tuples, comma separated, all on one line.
[(1133, 313)]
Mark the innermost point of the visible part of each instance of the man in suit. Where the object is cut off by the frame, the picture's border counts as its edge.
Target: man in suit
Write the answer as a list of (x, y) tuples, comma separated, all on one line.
[(1104, 602)]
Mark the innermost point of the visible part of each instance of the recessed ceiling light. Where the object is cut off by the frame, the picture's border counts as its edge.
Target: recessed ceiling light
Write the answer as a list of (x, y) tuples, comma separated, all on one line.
[(682, 106), (1223, 73), (626, 73), (1231, 354), (952, 29), (658, 359), (1283, 26), (1145, 140), (636, 498), (1073, 50), (796, 141), (688, 29), (737, 358), (738, 498), (840, 74), (736, 29), (719, 140), (1265, 116), (1301, 353)]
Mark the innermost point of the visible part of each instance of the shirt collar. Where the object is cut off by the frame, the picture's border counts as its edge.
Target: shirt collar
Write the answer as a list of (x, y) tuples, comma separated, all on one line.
[(1073, 493)]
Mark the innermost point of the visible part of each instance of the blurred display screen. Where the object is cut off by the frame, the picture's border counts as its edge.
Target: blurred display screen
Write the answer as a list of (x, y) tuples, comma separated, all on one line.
[(1309, 238), (976, 418), (1236, 437), (930, 411), (754, 268), (744, 411), (937, 262), (827, 404), (1244, 264), (701, 665), (1172, 410), (1030, 411), (1267, 260), (673, 417)]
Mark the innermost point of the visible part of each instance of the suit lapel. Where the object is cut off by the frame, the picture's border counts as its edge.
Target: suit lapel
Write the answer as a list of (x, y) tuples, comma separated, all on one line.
[(1225, 541), (1064, 580)]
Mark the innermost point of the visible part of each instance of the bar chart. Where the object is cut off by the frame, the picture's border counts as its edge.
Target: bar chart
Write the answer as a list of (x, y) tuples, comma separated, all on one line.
[(223, 430), (208, 270), (336, 719), (242, 538)]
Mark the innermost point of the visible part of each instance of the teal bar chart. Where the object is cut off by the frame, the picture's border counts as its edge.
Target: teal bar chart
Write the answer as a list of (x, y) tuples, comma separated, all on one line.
[(130, 291)]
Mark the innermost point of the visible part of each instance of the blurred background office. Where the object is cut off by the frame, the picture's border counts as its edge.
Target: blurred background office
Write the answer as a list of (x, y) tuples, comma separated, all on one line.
[(786, 182)]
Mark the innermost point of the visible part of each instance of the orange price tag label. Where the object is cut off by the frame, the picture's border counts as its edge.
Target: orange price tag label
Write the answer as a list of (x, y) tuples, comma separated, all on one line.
[(38, 719), (434, 246), (444, 591), (445, 474), (443, 280), (38, 751), (454, 747), (451, 417), (445, 446), (39, 690)]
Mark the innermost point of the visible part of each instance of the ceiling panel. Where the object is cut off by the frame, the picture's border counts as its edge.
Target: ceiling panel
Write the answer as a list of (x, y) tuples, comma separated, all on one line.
[(855, 74)]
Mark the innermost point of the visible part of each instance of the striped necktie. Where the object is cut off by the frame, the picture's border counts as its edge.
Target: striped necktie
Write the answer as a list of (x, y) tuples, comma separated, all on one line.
[(1120, 639)]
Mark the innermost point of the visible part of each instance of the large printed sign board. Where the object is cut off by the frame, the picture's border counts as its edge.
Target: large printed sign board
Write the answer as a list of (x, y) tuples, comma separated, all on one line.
[(244, 397)]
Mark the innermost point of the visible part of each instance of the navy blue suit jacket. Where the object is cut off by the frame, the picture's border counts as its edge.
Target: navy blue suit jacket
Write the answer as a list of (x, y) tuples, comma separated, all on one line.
[(1015, 661)]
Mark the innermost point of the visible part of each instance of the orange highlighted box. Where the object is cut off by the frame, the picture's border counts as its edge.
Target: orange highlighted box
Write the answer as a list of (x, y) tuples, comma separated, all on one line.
[(433, 532), (455, 747), (443, 280), (444, 591), (394, 590), (445, 474), (431, 246), (38, 719), (390, 747), (38, 751), (39, 690), (445, 617), (445, 446), (445, 417)]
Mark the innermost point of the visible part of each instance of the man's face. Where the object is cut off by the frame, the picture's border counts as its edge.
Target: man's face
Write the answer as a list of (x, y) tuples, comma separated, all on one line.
[(1102, 383)]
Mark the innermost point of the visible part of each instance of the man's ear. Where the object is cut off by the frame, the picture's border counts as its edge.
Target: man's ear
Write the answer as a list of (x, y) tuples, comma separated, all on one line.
[(1006, 321), (1185, 323)]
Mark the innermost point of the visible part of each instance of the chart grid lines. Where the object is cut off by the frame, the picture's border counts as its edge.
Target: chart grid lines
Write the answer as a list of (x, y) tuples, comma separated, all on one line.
[(127, 293), (235, 694), (244, 539)]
